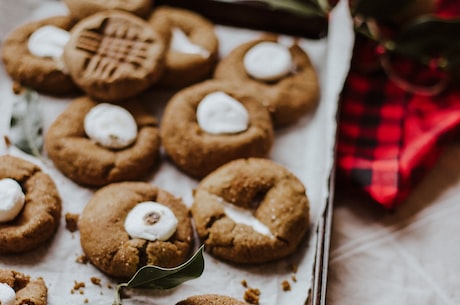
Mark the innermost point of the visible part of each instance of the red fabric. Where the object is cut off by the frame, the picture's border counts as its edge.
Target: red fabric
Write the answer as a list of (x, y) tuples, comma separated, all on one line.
[(388, 137)]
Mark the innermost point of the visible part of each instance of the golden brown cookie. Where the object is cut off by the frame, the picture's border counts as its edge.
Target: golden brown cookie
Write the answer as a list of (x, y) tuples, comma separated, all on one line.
[(210, 299), (107, 244), (114, 55), (28, 291), (289, 98), (39, 218), (80, 9), (197, 152), (43, 74), (186, 64), (88, 163), (267, 190)]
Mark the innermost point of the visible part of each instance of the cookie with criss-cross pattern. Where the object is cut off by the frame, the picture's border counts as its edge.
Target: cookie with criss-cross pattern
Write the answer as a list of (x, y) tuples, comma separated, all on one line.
[(114, 55), (38, 219), (22, 288), (111, 246)]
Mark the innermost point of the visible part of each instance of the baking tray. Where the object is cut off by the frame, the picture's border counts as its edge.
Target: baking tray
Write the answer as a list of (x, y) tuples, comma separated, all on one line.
[(321, 232)]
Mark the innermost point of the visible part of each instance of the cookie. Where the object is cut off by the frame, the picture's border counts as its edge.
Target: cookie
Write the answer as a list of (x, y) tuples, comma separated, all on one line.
[(107, 243), (44, 72), (80, 9), (114, 55), (192, 46), (19, 288), (86, 161), (251, 211), (38, 219), (210, 299), (290, 95), (234, 125)]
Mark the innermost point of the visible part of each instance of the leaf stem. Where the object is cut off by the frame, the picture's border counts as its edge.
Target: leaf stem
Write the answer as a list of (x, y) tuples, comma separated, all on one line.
[(117, 299)]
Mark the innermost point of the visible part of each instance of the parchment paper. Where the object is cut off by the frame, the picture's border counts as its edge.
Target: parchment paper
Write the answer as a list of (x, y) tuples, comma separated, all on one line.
[(306, 149)]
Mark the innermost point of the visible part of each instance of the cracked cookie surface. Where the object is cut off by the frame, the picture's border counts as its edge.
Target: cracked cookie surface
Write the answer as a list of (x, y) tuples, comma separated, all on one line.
[(28, 291), (106, 242), (272, 194)]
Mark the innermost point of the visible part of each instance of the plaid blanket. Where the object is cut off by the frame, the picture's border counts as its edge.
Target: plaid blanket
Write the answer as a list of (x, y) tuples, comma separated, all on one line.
[(389, 137)]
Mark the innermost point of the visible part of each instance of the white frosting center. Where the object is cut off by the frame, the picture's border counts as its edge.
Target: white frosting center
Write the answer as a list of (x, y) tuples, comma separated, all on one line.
[(48, 41), (111, 126), (268, 61), (152, 221), (245, 216), (7, 294), (181, 43), (11, 199), (219, 113)]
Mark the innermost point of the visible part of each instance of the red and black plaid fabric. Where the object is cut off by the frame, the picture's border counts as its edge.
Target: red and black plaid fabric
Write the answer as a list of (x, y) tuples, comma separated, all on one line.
[(388, 137)]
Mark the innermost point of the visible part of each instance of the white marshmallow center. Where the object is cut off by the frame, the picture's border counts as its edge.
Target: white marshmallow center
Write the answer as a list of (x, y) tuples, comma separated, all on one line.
[(181, 43), (245, 216), (219, 113), (268, 61), (7, 294), (151, 220), (48, 41), (111, 126), (11, 199)]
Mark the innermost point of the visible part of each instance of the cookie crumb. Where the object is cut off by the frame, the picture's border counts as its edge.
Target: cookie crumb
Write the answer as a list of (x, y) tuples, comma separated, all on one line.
[(285, 285), (293, 267), (109, 286), (71, 222), (294, 278), (7, 141), (17, 88), (244, 283), (86, 301), (96, 281), (82, 259), (251, 296), (78, 285)]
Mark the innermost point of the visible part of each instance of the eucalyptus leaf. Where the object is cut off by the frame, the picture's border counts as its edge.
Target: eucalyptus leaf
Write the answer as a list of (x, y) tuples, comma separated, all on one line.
[(26, 125), (430, 37), (154, 277), (299, 7), (378, 9)]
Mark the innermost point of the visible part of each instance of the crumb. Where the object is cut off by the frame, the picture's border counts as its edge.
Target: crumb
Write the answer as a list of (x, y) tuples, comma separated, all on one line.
[(251, 296), (96, 281), (71, 222), (109, 286), (244, 283), (7, 141), (86, 301), (17, 88), (78, 285), (286, 286), (293, 268), (294, 278), (82, 259)]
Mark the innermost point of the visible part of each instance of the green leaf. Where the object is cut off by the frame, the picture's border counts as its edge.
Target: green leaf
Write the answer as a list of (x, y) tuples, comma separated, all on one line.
[(430, 37), (154, 277), (378, 9), (299, 7), (26, 125)]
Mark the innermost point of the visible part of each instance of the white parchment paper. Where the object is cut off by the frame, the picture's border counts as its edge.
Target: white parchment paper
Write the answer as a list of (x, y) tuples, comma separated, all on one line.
[(306, 149)]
